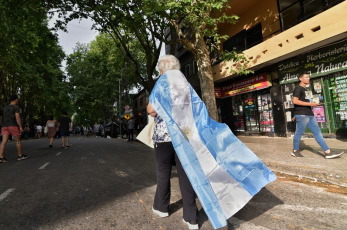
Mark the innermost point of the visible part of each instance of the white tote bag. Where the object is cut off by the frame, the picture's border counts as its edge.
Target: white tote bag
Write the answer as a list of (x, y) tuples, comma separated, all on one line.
[(146, 134)]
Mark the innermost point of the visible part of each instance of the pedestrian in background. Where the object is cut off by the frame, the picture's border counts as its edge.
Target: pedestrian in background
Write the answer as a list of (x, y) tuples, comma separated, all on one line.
[(97, 129), (39, 131), (12, 125), (82, 130), (131, 126), (26, 132), (51, 129), (303, 103), (64, 127)]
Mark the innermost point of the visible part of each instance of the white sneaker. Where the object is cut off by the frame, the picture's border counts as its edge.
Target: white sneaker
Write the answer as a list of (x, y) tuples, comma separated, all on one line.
[(193, 224), (161, 214)]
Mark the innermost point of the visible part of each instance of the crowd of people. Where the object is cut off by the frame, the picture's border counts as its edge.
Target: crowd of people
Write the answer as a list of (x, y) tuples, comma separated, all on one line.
[(57, 129)]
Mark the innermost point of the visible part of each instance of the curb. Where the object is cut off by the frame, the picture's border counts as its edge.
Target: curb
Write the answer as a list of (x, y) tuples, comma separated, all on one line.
[(315, 174)]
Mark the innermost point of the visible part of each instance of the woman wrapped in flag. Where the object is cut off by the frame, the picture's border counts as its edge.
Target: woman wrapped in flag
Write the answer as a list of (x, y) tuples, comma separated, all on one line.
[(222, 171)]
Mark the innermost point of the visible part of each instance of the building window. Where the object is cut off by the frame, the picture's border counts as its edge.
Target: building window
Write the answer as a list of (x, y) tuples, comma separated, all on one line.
[(245, 39), (292, 12), (187, 70), (195, 67)]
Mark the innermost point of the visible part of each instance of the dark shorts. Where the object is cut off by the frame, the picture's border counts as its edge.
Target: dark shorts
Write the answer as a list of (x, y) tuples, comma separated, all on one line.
[(11, 130), (64, 133)]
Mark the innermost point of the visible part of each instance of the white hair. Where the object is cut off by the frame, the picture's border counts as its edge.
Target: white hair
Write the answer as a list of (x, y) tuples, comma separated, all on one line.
[(168, 62)]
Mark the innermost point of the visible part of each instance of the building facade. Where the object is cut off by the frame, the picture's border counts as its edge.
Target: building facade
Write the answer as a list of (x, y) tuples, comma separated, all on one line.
[(280, 39), (140, 101)]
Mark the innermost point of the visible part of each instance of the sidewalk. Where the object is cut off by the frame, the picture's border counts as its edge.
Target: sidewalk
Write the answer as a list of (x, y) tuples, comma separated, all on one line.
[(275, 152)]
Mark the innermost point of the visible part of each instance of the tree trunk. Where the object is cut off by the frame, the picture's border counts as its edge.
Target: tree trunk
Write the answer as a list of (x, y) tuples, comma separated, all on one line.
[(203, 61)]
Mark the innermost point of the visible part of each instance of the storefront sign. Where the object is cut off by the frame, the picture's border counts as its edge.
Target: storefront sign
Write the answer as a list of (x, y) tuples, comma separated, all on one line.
[(320, 62), (254, 83)]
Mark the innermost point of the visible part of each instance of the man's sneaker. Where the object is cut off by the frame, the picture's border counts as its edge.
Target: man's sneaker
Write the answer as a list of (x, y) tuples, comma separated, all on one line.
[(23, 157), (161, 214), (332, 154), (193, 224), (297, 153), (3, 160)]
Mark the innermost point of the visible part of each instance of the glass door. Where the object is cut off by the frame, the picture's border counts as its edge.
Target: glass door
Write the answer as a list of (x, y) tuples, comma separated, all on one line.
[(250, 112), (238, 120), (265, 112)]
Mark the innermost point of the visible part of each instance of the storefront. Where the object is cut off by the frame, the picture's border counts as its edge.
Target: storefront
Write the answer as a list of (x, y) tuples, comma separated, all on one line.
[(328, 86), (247, 104)]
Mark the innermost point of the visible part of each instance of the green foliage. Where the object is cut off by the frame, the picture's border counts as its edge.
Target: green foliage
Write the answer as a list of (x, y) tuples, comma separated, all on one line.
[(129, 25), (95, 71), (241, 61), (196, 18), (30, 61)]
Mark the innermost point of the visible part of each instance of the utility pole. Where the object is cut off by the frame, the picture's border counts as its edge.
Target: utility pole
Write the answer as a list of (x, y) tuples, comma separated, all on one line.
[(120, 106)]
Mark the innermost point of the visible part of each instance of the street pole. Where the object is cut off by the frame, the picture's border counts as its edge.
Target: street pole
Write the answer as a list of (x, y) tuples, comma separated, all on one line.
[(120, 124)]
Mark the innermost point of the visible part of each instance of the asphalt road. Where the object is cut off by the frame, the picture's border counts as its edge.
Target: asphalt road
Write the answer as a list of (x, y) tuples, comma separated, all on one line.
[(101, 183)]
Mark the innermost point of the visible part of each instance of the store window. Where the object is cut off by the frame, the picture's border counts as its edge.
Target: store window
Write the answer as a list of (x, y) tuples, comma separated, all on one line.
[(315, 89), (252, 112), (245, 39), (338, 93), (195, 67), (265, 112), (238, 120), (293, 12)]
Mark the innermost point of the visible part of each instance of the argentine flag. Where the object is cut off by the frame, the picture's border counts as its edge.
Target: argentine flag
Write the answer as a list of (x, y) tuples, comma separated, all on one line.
[(224, 173)]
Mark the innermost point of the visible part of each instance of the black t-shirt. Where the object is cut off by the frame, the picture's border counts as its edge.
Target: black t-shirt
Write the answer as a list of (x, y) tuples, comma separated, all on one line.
[(64, 123), (10, 115), (303, 95)]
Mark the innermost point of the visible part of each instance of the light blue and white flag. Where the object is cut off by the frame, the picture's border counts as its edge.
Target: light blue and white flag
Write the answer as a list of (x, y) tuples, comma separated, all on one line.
[(224, 173)]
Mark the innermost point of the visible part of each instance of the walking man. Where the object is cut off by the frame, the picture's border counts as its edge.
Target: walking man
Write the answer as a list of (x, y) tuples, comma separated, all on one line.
[(131, 126), (302, 100), (12, 125), (64, 127)]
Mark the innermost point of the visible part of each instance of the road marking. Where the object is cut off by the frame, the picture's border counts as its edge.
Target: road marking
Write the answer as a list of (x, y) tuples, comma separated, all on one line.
[(58, 153), (302, 208), (43, 166), (6, 193)]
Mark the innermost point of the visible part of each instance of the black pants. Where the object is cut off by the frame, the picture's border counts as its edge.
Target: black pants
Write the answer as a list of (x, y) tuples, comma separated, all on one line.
[(166, 157), (131, 132)]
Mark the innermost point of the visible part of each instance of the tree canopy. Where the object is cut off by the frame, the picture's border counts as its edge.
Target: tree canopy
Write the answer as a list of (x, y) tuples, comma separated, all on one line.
[(95, 71), (30, 61)]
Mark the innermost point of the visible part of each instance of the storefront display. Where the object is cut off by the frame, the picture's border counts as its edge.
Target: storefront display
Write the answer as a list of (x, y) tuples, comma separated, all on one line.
[(237, 120), (338, 86), (251, 104), (265, 112), (251, 113), (328, 85)]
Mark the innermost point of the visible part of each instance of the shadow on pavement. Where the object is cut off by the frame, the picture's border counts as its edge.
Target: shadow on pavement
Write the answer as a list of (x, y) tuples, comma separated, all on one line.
[(267, 201), (80, 181)]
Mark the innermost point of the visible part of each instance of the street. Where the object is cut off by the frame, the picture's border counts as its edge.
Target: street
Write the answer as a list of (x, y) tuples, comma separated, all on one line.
[(101, 183)]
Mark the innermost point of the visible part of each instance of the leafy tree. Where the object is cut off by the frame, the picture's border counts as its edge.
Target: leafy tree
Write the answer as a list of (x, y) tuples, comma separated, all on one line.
[(95, 72), (124, 21), (30, 61), (192, 23), (196, 26)]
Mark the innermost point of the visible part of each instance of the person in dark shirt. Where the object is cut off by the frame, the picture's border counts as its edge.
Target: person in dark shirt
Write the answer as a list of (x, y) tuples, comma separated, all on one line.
[(12, 125), (302, 100), (64, 127)]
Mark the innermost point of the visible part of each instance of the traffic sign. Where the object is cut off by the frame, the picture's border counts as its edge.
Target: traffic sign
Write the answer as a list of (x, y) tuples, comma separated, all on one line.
[(127, 116)]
